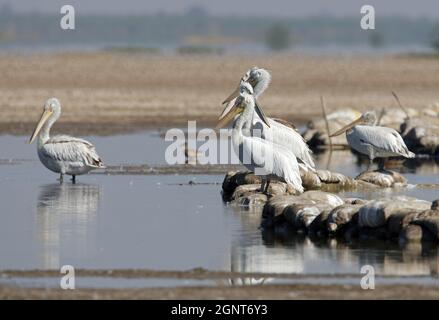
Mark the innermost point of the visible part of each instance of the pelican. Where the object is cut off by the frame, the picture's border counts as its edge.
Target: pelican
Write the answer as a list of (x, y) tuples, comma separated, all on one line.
[(63, 154), (279, 131), (374, 141), (254, 152)]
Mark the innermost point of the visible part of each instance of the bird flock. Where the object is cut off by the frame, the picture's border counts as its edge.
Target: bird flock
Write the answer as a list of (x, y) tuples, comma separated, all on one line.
[(279, 138), (272, 148)]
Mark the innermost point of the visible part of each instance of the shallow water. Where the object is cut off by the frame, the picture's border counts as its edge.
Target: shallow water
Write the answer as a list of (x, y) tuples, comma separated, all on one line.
[(121, 283), (162, 222)]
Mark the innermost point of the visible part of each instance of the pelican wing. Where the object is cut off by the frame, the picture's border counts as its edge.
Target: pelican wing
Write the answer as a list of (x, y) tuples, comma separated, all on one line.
[(285, 123), (283, 134), (384, 139), (277, 160), (71, 149)]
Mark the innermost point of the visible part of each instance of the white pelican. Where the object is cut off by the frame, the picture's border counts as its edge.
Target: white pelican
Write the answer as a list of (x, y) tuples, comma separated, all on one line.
[(280, 131), (63, 154), (256, 153), (374, 141)]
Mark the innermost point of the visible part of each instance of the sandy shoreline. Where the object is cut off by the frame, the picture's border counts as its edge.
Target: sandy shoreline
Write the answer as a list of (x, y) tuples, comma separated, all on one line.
[(221, 290), (299, 291), (105, 93)]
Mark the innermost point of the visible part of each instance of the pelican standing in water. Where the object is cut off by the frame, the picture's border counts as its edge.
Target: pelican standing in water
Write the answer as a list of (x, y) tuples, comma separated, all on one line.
[(254, 152), (278, 131), (63, 154), (374, 141)]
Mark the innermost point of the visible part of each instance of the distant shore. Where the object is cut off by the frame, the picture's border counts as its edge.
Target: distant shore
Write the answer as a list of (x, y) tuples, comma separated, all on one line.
[(106, 93)]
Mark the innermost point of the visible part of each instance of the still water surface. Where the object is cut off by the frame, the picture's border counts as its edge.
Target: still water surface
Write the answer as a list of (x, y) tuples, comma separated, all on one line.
[(162, 222)]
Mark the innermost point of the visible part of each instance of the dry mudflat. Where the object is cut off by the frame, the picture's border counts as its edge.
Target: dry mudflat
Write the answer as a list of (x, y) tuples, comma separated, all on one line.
[(312, 290), (299, 291), (105, 93)]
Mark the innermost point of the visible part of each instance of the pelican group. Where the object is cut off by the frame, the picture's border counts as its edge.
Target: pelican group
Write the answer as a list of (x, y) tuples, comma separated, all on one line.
[(254, 152), (374, 141), (63, 154), (278, 131)]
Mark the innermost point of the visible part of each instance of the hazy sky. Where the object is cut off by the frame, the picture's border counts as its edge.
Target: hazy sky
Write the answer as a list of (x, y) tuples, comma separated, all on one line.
[(286, 8)]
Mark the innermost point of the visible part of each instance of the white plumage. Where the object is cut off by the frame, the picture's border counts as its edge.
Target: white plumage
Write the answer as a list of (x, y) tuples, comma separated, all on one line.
[(286, 137), (280, 132), (282, 164), (257, 154), (377, 142), (374, 141), (63, 154)]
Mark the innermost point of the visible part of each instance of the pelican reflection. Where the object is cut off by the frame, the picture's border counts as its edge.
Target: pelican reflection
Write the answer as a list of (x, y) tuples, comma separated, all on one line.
[(66, 222), (284, 251)]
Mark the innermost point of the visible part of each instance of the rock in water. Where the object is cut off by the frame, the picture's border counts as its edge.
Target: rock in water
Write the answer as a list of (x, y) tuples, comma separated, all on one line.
[(244, 190), (322, 197), (310, 204), (275, 188), (411, 233), (421, 134), (394, 117), (234, 179), (383, 178), (414, 232), (301, 215), (428, 219), (407, 216), (329, 177), (376, 212), (299, 210), (318, 225), (310, 180), (273, 209), (341, 216), (400, 220), (252, 200)]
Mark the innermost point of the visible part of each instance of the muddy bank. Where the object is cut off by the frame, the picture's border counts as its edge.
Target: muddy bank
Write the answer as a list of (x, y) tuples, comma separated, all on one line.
[(222, 287), (166, 170), (100, 92), (299, 291)]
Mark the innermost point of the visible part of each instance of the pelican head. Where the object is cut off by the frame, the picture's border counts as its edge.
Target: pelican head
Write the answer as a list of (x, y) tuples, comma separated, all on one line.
[(258, 78), (51, 112), (244, 89), (246, 86), (238, 105), (368, 118)]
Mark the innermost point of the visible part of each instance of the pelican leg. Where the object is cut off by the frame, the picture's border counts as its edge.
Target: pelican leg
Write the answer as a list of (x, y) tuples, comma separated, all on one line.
[(61, 178), (73, 179), (263, 182), (381, 164), (266, 186), (369, 164)]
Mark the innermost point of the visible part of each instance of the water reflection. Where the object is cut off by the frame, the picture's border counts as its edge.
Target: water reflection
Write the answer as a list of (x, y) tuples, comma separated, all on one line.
[(66, 221), (283, 250)]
